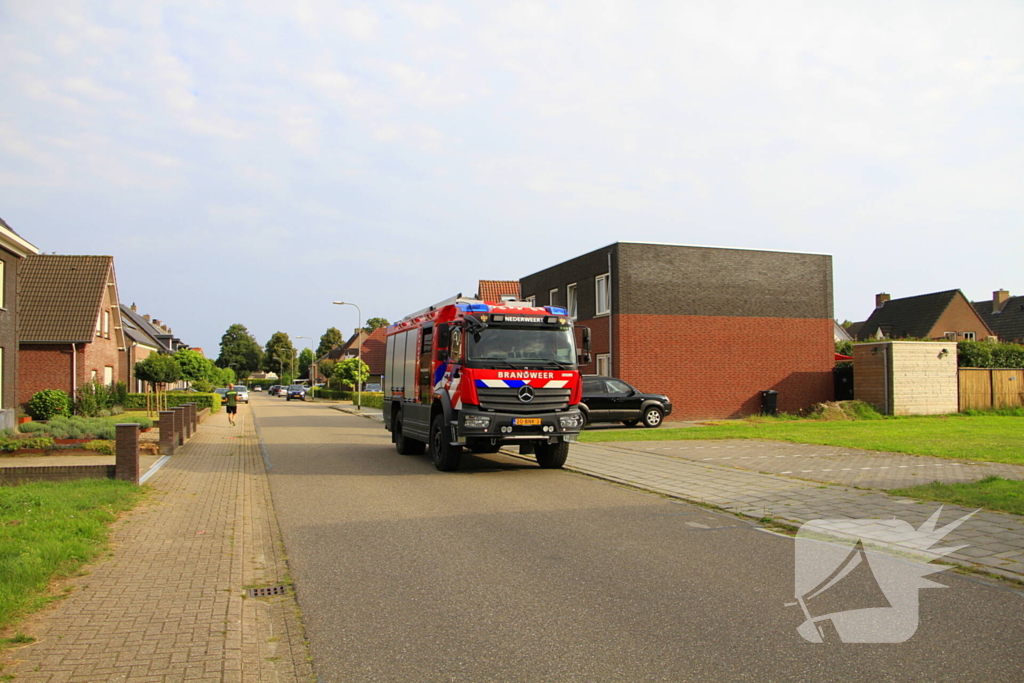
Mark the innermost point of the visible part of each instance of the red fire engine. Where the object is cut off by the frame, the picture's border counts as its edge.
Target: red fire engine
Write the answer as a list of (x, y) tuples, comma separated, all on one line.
[(473, 374)]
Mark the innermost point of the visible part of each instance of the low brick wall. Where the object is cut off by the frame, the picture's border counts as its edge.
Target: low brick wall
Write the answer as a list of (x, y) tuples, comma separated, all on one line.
[(13, 476)]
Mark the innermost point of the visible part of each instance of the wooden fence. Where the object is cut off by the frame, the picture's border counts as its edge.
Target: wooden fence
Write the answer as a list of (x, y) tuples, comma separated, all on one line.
[(985, 388)]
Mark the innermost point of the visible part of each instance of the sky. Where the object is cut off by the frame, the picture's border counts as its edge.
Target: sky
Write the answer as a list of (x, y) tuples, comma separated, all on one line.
[(251, 162)]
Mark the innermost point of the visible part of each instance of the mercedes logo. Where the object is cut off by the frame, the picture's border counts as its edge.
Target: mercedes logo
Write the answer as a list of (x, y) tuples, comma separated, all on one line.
[(526, 393)]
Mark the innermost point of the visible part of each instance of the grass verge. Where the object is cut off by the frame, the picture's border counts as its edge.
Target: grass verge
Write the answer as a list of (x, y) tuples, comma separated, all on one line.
[(990, 438), (992, 493), (48, 531)]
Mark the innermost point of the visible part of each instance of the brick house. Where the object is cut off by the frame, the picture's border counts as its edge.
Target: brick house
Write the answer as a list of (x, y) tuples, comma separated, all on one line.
[(70, 330), (940, 315), (1004, 315), (13, 249), (498, 290), (373, 346), (141, 342), (709, 327)]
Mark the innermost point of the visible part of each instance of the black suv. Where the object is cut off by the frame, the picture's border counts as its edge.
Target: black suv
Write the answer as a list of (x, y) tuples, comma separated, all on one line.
[(606, 399)]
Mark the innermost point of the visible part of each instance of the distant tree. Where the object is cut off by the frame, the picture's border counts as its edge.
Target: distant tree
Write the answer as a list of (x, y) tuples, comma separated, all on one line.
[(305, 362), (846, 324), (326, 368), (279, 354), (350, 372), (331, 338), (374, 323), (239, 350), (845, 347), (194, 365)]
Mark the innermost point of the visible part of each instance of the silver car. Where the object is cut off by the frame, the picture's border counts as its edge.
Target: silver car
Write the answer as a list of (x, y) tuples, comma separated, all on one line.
[(243, 393)]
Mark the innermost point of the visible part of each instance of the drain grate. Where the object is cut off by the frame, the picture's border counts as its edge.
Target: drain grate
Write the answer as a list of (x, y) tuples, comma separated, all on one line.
[(266, 592)]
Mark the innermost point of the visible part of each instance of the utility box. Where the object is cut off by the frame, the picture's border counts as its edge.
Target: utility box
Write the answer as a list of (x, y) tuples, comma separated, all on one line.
[(907, 377)]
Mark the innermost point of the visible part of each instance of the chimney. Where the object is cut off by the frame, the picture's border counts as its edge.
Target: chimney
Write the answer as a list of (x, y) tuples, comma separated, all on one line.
[(146, 317), (999, 299), (134, 310), (156, 323), (880, 299)]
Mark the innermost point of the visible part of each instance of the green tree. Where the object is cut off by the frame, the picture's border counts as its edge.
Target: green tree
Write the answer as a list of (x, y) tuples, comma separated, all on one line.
[(193, 364), (239, 350), (330, 339), (305, 362), (350, 372), (326, 368), (279, 354), (374, 323), (158, 368)]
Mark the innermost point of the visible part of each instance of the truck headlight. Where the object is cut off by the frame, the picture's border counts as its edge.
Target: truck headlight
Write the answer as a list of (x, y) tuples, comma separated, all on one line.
[(477, 421), (570, 421)]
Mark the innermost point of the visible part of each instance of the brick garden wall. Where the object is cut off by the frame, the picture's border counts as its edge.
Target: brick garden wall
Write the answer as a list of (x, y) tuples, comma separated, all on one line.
[(716, 367)]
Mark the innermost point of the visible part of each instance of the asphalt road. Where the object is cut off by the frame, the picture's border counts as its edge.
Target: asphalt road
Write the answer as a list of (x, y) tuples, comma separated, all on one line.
[(505, 572)]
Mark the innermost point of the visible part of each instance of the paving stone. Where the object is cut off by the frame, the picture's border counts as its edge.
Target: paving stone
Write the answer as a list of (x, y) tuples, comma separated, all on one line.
[(156, 610)]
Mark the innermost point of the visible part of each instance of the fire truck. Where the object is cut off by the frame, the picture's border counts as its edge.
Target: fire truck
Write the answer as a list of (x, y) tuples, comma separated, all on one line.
[(469, 374)]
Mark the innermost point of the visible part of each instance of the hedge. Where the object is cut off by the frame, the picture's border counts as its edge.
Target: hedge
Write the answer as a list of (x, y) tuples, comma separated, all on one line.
[(986, 354), (176, 398), (371, 399)]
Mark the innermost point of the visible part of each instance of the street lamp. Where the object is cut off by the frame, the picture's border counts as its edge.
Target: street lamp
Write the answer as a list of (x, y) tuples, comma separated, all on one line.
[(359, 353), (312, 383)]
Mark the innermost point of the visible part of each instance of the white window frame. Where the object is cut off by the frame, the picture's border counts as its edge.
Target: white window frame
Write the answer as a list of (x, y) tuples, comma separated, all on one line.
[(108, 375), (553, 297), (603, 282), (603, 361), (949, 335), (3, 290), (106, 324), (969, 336), (571, 300), (2, 404)]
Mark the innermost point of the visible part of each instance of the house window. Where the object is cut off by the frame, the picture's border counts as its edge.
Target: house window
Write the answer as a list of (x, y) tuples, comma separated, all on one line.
[(108, 375), (603, 291), (570, 299), (553, 297), (92, 376), (99, 325), (532, 299), (106, 324), (968, 336), (3, 290), (604, 364), (950, 335), (3, 404)]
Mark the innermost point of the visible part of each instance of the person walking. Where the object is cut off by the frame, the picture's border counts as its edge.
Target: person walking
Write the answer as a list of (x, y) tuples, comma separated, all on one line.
[(231, 403)]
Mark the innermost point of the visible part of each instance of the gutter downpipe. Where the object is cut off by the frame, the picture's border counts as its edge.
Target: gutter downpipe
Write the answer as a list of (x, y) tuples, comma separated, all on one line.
[(611, 312), (74, 369)]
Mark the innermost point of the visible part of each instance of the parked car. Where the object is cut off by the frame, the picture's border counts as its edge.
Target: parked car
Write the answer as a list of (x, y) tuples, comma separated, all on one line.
[(274, 389), (371, 388), (296, 391), (221, 391), (243, 393), (607, 399), (257, 388)]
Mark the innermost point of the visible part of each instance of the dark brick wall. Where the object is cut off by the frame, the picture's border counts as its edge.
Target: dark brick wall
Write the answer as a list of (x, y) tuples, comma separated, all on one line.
[(707, 281), (582, 270), (716, 367)]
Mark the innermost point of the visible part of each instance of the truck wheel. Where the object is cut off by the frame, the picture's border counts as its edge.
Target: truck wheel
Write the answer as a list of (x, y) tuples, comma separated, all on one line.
[(405, 445), (551, 456), (652, 417), (446, 457)]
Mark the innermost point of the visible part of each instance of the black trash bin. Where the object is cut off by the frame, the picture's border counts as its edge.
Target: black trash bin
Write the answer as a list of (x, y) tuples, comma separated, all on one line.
[(769, 402)]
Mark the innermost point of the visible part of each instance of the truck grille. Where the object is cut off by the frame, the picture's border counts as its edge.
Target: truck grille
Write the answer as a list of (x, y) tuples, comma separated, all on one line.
[(507, 400)]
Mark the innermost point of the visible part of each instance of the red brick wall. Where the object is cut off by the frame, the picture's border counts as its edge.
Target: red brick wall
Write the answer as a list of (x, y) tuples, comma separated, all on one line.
[(715, 367), (598, 341), (101, 352), (43, 366)]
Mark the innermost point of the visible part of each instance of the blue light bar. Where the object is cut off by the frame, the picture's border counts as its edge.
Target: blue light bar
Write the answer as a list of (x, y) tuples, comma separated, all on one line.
[(555, 310), (474, 308)]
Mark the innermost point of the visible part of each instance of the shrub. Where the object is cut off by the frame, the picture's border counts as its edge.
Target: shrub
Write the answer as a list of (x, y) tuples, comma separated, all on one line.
[(985, 354), (32, 427), (211, 401), (49, 403), (9, 445), (100, 446)]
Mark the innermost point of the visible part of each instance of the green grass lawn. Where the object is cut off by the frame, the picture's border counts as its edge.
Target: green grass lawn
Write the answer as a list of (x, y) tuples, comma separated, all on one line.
[(47, 531), (994, 493), (991, 438)]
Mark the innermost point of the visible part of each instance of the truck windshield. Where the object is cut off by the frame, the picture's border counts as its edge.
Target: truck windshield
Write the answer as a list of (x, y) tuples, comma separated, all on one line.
[(521, 346)]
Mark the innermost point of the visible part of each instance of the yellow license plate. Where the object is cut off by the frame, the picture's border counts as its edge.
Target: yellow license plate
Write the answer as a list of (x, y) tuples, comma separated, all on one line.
[(526, 420)]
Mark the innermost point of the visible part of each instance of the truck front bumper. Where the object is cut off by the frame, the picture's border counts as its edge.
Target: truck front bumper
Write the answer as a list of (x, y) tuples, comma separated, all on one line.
[(475, 424)]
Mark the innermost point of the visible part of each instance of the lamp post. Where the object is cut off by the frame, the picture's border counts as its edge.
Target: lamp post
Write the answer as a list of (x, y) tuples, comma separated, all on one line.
[(359, 353), (312, 383)]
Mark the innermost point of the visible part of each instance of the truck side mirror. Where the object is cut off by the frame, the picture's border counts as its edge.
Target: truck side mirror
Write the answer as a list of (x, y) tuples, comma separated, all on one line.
[(583, 358)]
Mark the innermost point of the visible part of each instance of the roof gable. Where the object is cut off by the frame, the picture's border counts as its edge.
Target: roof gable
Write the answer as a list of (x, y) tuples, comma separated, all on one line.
[(493, 290), (138, 329), (59, 296), (1008, 323), (912, 316)]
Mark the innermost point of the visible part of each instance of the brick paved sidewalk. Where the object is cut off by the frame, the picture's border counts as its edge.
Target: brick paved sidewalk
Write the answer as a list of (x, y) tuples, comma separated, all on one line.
[(168, 605)]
